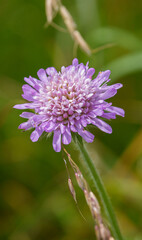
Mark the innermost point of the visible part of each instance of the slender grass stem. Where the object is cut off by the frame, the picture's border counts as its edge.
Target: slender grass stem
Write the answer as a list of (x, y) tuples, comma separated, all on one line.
[(101, 191)]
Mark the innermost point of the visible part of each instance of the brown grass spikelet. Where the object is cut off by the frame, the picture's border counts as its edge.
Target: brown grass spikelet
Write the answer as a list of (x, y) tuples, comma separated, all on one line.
[(97, 232), (94, 208), (94, 202), (104, 232), (72, 190), (101, 230), (80, 181)]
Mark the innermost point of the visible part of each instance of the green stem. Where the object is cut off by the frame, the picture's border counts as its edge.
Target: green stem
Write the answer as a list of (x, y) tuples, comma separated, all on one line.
[(101, 191)]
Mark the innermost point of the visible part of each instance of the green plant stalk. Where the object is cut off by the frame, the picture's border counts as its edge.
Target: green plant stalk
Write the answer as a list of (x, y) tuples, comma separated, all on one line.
[(101, 191)]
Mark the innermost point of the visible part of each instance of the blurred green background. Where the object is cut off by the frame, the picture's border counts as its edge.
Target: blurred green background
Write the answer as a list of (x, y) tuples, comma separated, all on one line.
[(35, 203)]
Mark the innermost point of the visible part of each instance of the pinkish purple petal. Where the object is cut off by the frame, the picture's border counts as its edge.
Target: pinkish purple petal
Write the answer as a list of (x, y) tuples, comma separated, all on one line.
[(37, 119), (29, 81), (116, 110), (25, 125), (108, 94), (57, 141), (51, 71), (109, 115), (27, 97), (27, 114), (116, 86), (33, 82), (25, 106), (42, 75), (101, 78), (36, 134), (62, 128), (102, 125), (66, 137), (29, 92), (90, 72), (73, 128), (88, 137), (75, 62), (50, 126), (84, 122), (28, 89)]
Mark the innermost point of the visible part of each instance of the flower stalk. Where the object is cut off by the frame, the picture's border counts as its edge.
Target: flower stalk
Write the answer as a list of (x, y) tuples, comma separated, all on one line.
[(101, 191)]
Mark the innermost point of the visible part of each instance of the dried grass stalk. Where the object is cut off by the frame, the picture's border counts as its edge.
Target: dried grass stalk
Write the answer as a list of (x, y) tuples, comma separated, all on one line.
[(72, 28), (68, 20), (81, 42), (51, 8)]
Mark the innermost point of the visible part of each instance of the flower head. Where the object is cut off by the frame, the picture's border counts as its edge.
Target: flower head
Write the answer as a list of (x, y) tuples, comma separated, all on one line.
[(68, 101)]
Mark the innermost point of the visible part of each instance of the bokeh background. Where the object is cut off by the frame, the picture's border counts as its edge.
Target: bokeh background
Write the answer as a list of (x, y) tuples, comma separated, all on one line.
[(35, 203)]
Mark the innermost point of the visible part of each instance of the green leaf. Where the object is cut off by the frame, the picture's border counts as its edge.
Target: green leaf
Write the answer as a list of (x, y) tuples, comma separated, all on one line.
[(125, 65), (122, 38)]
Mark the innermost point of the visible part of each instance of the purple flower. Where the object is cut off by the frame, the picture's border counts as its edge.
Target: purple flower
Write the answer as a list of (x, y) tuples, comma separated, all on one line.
[(68, 101)]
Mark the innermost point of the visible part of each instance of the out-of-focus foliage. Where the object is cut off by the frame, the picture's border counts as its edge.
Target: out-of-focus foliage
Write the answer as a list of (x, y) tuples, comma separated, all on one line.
[(35, 203)]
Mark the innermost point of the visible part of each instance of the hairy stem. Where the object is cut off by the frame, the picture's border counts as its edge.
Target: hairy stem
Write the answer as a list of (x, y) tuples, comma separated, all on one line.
[(101, 191)]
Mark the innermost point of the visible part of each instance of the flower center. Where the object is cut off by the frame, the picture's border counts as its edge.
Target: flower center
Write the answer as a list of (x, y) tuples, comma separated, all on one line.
[(63, 100)]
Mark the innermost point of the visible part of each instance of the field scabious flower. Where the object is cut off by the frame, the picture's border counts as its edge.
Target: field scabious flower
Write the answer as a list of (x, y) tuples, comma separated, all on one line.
[(68, 101)]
